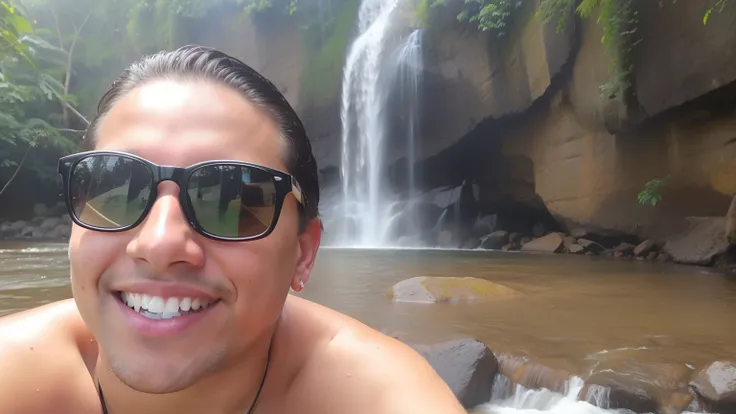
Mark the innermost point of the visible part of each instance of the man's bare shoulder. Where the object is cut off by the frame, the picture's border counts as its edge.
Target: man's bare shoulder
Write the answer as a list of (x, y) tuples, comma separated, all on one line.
[(42, 367), (360, 370)]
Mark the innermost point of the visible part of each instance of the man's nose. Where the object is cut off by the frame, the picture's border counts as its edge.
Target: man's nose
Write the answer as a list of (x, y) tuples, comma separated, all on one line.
[(165, 238)]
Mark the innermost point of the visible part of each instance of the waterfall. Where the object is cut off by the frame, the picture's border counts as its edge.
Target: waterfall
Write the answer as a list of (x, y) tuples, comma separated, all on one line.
[(371, 73)]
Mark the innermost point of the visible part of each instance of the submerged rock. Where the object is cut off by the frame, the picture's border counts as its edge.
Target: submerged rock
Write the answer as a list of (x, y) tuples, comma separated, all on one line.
[(551, 243), (424, 289), (702, 240), (716, 384), (467, 365)]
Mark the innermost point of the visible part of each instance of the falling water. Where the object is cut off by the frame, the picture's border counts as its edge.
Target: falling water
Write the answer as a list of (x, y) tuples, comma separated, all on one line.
[(368, 204)]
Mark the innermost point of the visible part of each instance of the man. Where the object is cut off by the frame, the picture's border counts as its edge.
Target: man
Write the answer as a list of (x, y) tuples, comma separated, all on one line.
[(178, 308)]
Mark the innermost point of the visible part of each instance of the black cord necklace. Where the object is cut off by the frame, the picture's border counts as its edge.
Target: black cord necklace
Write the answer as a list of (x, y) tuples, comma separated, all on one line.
[(250, 410)]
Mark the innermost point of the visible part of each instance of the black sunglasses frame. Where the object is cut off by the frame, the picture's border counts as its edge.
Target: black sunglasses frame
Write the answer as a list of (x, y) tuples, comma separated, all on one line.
[(284, 182)]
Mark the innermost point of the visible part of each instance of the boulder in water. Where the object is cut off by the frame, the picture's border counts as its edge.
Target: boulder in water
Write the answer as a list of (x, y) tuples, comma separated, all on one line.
[(644, 248), (551, 243), (716, 384), (495, 240), (642, 387), (703, 240), (424, 289), (467, 365)]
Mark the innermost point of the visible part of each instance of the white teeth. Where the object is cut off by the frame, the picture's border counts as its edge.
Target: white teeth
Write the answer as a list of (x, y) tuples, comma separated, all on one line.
[(163, 308), (157, 305), (172, 305), (146, 301)]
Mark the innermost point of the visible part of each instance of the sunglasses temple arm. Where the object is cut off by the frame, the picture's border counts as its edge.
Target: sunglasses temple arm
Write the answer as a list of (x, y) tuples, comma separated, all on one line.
[(296, 189)]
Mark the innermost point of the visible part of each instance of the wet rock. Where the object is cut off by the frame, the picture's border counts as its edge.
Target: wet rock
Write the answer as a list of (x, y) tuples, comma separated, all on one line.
[(507, 247), (731, 222), (576, 249), (49, 224), (569, 241), (515, 238), (639, 386), (716, 384), (468, 366), (495, 240), (591, 246), (700, 243), (644, 248), (551, 243), (423, 289), (524, 240), (625, 249), (537, 376), (27, 231), (652, 256), (662, 257), (471, 243), (484, 225)]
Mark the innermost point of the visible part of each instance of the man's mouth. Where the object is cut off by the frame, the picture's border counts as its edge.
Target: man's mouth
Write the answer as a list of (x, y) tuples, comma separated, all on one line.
[(158, 307)]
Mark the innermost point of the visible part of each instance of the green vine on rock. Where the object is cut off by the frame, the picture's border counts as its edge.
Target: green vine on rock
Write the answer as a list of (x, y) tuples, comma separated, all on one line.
[(620, 20), (488, 15)]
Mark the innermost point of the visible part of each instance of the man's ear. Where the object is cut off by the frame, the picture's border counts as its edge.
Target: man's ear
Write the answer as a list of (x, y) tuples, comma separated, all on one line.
[(309, 241)]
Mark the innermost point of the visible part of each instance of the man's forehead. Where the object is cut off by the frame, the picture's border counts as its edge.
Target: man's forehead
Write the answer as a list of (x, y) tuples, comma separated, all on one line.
[(181, 123)]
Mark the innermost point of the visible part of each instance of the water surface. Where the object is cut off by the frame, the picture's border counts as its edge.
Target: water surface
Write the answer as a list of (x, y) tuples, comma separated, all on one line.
[(576, 311)]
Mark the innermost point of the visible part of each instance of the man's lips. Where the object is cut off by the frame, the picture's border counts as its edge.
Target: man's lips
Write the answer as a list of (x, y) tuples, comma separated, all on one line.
[(160, 316)]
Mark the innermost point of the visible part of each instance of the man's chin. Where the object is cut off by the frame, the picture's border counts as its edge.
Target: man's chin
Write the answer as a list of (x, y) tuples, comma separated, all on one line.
[(160, 375)]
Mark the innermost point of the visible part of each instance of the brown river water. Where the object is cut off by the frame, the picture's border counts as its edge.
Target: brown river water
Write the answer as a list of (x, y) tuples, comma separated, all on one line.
[(576, 312)]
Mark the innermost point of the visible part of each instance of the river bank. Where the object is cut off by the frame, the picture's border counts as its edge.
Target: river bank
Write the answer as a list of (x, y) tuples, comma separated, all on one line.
[(702, 242)]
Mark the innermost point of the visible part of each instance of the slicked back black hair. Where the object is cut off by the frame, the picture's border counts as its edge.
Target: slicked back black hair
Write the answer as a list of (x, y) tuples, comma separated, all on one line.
[(203, 63)]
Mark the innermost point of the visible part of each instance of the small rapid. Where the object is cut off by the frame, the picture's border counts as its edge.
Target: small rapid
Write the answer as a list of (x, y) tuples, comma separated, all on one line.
[(516, 399)]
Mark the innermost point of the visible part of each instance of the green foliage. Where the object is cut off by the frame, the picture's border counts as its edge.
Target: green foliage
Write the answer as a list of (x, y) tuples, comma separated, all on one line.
[(652, 192), (12, 27), (30, 97), (322, 76), (620, 34), (487, 15)]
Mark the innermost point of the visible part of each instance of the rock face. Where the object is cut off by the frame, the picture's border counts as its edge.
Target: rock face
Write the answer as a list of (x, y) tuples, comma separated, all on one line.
[(702, 240), (448, 289), (716, 384), (467, 366), (583, 157)]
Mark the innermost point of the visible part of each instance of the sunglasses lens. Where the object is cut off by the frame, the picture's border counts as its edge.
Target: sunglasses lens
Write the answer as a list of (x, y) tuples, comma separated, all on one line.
[(232, 200), (109, 191)]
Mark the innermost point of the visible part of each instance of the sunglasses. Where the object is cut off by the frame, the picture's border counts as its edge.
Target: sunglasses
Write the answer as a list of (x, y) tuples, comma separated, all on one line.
[(222, 200)]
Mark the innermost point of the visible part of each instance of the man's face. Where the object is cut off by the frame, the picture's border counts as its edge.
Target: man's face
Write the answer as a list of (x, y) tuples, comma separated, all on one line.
[(245, 283)]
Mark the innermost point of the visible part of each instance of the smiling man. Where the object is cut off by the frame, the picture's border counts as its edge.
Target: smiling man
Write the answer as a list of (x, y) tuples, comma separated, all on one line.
[(195, 211)]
